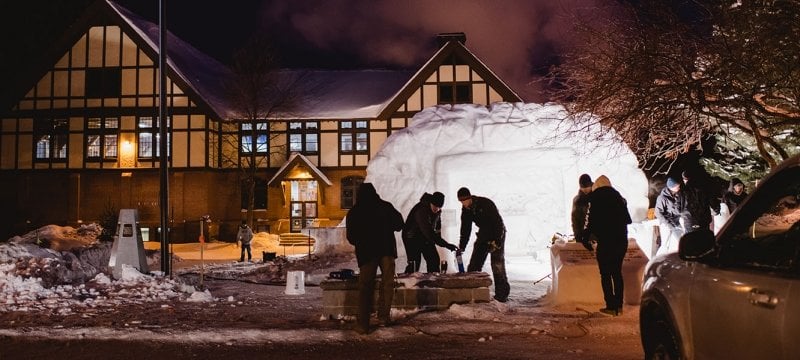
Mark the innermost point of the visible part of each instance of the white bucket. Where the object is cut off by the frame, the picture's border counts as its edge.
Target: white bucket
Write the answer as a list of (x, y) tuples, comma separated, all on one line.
[(295, 283)]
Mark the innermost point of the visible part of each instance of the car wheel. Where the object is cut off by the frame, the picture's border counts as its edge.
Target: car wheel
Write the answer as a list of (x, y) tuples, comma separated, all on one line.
[(660, 341)]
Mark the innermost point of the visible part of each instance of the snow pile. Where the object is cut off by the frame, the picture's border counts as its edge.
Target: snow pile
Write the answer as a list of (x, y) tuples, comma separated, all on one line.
[(525, 157), (61, 238), (21, 293)]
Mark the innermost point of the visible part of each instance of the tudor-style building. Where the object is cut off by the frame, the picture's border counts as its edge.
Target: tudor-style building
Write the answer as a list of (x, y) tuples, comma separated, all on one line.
[(83, 136)]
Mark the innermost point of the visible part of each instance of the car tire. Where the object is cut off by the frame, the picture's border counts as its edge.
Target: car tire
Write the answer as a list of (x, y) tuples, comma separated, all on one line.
[(661, 341)]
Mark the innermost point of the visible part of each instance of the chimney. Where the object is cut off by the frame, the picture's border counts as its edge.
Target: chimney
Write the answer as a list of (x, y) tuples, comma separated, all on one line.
[(444, 38)]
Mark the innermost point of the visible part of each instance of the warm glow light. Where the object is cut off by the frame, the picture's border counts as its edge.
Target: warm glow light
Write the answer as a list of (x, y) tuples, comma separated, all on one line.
[(127, 147)]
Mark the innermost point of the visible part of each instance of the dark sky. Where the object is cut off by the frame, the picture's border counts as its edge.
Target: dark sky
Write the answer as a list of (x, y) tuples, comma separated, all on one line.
[(518, 39)]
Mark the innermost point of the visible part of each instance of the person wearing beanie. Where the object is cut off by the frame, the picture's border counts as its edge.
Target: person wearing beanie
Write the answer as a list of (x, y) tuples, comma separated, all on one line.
[(580, 204), (422, 231), (490, 239), (608, 221), (669, 206)]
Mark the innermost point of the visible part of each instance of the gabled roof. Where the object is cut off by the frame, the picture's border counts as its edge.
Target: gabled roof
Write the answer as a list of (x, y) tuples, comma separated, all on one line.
[(452, 47), (297, 159)]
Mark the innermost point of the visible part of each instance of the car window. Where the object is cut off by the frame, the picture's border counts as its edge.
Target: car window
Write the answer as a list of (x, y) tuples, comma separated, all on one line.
[(767, 234)]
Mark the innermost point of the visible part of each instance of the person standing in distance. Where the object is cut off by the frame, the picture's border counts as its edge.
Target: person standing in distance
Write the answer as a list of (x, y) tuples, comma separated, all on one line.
[(245, 236), (580, 206), (490, 239), (370, 225)]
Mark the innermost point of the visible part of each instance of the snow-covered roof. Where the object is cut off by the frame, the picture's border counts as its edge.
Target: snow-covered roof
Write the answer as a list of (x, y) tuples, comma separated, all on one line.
[(299, 159)]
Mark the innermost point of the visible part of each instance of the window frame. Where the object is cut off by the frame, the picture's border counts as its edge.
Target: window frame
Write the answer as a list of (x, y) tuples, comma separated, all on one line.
[(258, 129), (155, 137), (103, 82), (51, 133), (455, 96), (107, 129), (349, 190), (305, 131), (358, 133)]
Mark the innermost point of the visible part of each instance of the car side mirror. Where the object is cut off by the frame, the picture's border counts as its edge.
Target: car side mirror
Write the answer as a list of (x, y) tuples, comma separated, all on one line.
[(696, 245)]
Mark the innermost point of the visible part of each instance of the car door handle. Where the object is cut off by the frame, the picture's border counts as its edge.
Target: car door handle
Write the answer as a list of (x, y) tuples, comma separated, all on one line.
[(767, 299)]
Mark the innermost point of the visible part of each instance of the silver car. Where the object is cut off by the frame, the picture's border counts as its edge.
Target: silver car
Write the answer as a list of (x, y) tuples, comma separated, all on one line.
[(736, 296)]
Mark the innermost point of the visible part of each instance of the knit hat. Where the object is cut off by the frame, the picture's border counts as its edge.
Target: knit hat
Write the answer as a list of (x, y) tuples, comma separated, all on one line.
[(602, 181), (671, 182), (585, 181), (437, 199), (463, 194)]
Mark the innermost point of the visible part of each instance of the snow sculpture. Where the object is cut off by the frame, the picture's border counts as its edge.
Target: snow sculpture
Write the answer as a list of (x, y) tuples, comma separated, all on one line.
[(525, 157)]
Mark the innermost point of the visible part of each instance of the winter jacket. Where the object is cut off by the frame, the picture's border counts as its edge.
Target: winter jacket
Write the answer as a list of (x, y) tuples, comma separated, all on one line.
[(422, 223), (371, 224), (730, 198), (580, 206), (484, 214), (245, 235), (608, 214), (669, 206), (696, 213)]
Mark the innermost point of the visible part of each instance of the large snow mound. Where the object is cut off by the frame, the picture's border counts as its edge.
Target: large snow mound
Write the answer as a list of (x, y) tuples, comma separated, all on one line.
[(525, 157)]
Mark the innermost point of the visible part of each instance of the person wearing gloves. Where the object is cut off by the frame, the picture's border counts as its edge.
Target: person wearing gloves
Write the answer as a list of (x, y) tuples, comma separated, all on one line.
[(608, 221), (669, 206), (490, 239), (422, 232), (245, 236)]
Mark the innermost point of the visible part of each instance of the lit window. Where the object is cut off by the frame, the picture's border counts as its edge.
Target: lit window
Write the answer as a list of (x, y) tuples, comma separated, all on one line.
[(51, 138), (101, 138), (354, 136), (254, 135), (148, 137), (304, 137)]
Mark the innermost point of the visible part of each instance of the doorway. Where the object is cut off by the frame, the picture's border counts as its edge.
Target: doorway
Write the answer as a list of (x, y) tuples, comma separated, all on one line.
[(303, 204)]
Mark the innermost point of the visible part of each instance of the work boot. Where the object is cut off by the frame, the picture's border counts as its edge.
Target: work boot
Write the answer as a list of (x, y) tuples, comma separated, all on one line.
[(612, 312)]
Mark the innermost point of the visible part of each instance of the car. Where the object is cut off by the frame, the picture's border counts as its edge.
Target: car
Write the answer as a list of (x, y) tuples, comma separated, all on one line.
[(736, 295)]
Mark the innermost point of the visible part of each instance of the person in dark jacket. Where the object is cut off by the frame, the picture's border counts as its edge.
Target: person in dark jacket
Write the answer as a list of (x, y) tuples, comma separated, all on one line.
[(422, 232), (735, 195), (699, 204), (580, 204), (490, 239), (608, 221), (371, 224), (669, 206)]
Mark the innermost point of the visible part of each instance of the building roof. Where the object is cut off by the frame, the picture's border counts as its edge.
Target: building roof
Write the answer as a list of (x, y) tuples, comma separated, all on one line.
[(298, 160)]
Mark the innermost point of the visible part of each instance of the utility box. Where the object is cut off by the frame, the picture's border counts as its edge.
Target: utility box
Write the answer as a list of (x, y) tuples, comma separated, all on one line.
[(128, 248)]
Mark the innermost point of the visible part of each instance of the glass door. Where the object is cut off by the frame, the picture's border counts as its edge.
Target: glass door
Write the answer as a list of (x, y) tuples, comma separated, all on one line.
[(303, 206)]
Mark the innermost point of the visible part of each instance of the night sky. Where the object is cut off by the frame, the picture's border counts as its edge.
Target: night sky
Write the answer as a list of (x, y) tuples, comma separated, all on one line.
[(518, 39)]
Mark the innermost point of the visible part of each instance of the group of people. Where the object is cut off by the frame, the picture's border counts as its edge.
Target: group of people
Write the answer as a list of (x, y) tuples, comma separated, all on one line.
[(600, 216), (371, 225), (687, 205)]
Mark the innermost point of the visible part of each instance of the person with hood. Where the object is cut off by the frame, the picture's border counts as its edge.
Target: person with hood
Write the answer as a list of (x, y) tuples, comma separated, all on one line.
[(245, 236), (490, 239), (370, 226), (580, 204), (699, 204), (735, 195), (422, 231), (669, 206), (608, 222)]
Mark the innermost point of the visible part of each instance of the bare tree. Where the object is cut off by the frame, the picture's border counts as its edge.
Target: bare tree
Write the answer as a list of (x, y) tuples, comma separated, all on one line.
[(666, 75), (259, 92)]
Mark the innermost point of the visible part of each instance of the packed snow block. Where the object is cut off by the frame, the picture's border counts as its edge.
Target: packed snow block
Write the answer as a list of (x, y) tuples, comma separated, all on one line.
[(128, 248), (414, 291), (576, 277)]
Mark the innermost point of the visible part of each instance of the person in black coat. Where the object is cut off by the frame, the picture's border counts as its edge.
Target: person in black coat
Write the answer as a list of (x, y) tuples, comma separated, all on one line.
[(580, 205), (490, 239), (735, 195), (422, 232), (371, 224), (608, 221)]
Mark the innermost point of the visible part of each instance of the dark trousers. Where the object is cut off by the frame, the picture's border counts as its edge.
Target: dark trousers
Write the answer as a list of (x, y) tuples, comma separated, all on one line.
[(366, 289), (498, 263), (249, 253), (610, 254), (416, 249)]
